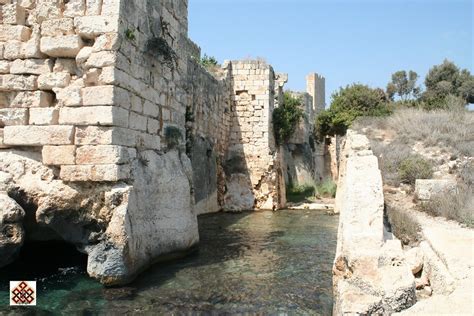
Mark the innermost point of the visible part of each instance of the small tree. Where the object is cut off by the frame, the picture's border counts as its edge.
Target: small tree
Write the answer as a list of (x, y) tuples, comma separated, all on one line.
[(403, 85), (347, 104), (447, 79), (208, 61), (286, 118)]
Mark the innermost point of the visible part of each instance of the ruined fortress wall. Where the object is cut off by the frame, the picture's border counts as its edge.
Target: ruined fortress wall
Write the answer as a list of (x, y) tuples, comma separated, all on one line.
[(252, 165), (316, 87), (208, 118), (92, 91)]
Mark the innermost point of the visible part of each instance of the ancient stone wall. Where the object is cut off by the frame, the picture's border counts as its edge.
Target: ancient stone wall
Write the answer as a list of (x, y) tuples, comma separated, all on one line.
[(252, 163), (94, 90), (208, 119), (114, 138)]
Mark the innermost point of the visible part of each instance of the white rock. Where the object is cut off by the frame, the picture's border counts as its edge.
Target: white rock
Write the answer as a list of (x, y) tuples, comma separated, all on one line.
[(53, 80), (61, 46)]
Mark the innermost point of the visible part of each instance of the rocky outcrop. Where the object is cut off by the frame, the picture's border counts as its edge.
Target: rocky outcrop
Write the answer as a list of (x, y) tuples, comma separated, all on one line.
[(12, 234), (371, 275), (123, 227)]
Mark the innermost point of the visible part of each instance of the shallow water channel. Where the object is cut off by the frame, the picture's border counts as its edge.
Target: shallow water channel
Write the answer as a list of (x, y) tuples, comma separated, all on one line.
[(261, 262)]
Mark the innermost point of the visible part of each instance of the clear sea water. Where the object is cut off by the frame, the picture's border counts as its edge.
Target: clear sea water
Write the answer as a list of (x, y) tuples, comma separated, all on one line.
[(260, 263)]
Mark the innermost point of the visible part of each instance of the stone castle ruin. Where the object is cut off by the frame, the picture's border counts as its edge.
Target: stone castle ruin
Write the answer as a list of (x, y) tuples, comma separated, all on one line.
[(114, 138)]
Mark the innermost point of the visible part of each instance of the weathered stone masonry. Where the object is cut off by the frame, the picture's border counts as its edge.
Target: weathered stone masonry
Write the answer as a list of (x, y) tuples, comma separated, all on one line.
[(113, 137)]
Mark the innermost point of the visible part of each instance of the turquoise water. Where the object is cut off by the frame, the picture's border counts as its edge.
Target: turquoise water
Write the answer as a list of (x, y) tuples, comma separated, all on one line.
[(249, 263)]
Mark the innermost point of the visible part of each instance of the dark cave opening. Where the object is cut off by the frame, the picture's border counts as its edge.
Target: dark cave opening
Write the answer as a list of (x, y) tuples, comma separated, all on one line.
[(44, 261)]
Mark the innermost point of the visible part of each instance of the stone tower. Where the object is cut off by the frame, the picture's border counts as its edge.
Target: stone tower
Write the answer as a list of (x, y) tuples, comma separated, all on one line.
[(316, 87)]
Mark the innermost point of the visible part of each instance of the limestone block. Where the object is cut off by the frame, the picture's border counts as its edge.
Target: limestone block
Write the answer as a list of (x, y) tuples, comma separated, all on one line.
[(59, 155), (104, 154), (31, 49), (414, 259), (110, 8), (101, 59), (31, 66), (426, 188), (28, 4), (153, 126), (92, 26), (32, 99), (48, 9), (4, 67), (2, 48), (53, 80), (107, 41), (13, 116), (106, 95), (74, 8), (136, 103), (138, 122), (94, 115), (44, 116), (66, 65), (12, 50), (83, 55), (38, 135), (14, 32), (93, 7), (17, 82), (61, 46), (151, 109), (69, 96), (110, 173), (107, 76), (13, 14), (91, 77), (99, 135), (57, 27)]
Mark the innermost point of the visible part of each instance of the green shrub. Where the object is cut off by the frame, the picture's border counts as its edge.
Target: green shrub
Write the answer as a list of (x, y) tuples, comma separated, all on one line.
[(173, 136), (299, 193), (286, 118), (415, 167), (349, 103), (208, 61), (327, 188)]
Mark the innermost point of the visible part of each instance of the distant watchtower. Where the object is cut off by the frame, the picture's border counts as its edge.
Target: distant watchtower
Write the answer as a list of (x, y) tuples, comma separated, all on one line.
[(316, 87)]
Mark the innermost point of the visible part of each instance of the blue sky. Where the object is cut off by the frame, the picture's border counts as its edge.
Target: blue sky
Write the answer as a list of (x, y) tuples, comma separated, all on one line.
[(345, 41)]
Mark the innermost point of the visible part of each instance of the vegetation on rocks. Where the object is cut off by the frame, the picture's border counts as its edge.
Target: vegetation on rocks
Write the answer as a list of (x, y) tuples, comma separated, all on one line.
[(415, 167), (286, 118), (348, 104), (447, 88), (299, 193)]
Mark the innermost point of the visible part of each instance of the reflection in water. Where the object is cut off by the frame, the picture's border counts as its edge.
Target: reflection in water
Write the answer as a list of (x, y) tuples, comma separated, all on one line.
[(261, 262)]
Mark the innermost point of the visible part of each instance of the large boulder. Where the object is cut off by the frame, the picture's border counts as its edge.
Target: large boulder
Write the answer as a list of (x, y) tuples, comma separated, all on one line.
[(123, 227)]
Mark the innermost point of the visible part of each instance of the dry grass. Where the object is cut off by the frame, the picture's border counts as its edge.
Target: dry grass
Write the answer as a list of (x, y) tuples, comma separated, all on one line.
[(453, 130), (449, 129), (404, 226), (457, 205)]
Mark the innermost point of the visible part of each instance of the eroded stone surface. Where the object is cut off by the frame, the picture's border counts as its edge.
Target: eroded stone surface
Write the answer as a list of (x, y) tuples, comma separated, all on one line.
[(371, 275)]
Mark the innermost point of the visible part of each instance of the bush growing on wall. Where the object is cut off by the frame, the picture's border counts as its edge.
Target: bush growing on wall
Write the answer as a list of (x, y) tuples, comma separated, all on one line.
[(286, 118)]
